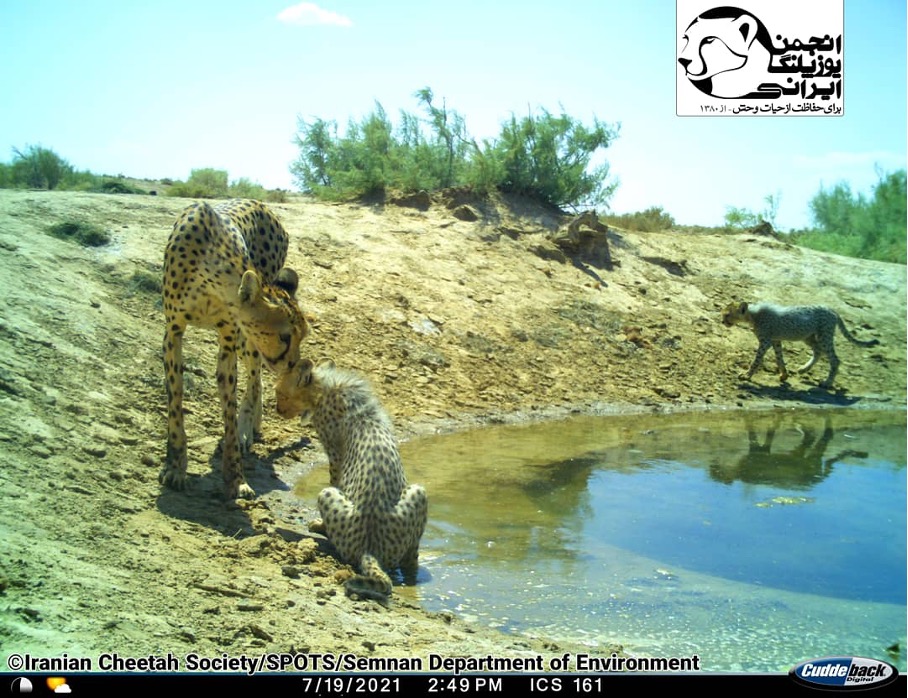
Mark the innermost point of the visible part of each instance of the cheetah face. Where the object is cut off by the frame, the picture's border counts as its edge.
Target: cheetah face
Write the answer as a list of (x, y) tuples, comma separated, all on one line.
[(298, 390), (272, 321), (295, 391), (734, 313)]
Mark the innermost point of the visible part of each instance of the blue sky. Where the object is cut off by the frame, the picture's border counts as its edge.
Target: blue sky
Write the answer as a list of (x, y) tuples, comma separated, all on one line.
[(155, 89)]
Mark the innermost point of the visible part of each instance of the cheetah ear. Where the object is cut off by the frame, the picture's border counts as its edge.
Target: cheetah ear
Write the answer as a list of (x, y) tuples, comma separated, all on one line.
[(250, 290), (305, 372), (288, 280), (327, 362), (742, 308)]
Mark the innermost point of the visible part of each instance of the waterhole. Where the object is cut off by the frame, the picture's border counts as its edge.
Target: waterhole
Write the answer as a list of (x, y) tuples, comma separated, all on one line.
[(754, 541)]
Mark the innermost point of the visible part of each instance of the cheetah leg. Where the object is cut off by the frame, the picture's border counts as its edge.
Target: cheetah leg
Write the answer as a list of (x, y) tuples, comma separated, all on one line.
[(250, 420), (812, 343), (173, 474), (231, 464), (833, 368), (758, 359), (411, 512), (372, 582), (345, 529), (780, 362), (342, 524)]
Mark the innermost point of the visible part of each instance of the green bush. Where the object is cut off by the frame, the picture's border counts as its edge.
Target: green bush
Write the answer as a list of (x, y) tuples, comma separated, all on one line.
[(209, 183), (652, 220), (371, 158), (146, 282), (204, 183), (544, 156), (364, 158), (738, 219), (548, 157), (38, 168), (443, 154), (276, 196), (86, 234), (244, 188), (851, 224), (116, 186)]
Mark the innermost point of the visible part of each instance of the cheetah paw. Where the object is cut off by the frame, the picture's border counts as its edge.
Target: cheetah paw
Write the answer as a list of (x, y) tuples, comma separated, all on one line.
[(240, 490), (173, 478)]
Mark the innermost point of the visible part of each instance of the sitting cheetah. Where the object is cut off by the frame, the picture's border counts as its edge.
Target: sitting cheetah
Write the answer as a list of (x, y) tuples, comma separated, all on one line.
[(813, 324), (369, 513), (222, 269)]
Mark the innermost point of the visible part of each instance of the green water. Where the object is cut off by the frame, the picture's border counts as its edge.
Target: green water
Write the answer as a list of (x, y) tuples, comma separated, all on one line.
[(755, 541)]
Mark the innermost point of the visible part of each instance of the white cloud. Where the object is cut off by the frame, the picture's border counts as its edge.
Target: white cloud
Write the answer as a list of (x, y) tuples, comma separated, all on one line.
[(308, 14)]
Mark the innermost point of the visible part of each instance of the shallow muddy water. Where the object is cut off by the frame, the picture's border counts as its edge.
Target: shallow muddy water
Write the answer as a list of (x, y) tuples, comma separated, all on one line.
[(753, 540)]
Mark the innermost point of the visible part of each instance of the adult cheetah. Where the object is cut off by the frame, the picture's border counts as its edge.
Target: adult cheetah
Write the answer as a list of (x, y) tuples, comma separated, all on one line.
[(370, 513), (814, 325), (222, 270)]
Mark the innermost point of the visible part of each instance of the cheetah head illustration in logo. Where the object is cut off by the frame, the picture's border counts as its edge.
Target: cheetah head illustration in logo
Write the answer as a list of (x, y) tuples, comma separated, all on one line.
[(727, 53)]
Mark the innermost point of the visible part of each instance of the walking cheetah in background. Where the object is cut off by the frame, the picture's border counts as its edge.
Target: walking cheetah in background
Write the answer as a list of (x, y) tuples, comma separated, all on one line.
[(813, 324), (222, 269), (370, 514)]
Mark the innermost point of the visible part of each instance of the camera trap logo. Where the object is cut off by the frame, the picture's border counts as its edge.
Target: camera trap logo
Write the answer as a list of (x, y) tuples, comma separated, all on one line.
[(844, 673), (767, 58)]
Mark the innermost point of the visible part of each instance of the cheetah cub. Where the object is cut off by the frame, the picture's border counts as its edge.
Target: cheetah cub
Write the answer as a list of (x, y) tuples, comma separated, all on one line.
[(814, 325), (369, 513)]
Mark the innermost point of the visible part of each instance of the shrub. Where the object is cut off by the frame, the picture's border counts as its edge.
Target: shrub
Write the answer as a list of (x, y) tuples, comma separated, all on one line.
[(364, 158), (858, 226), (652, 220), (740, 218), (547, 157), (276, 196), (116, 186), (445, 154), (244, 188), (743, 219), (205, 183), (39, 168), (86, 234), (146, 282), (317, 145)]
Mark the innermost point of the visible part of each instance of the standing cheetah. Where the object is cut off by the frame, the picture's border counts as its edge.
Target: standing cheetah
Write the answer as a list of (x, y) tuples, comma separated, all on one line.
[(222, 269), (370, 514), (812, 324)]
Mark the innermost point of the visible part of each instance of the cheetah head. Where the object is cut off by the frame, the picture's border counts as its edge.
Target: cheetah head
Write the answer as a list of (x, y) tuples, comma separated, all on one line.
[(734, 313), (298, 390), (271, 319)]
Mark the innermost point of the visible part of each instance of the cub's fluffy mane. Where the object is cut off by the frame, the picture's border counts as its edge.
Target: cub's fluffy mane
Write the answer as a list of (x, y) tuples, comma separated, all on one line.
[(358, 396)]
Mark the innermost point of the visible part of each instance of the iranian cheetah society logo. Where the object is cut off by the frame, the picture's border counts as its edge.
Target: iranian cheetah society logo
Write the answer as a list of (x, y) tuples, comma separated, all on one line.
[(766, 58)]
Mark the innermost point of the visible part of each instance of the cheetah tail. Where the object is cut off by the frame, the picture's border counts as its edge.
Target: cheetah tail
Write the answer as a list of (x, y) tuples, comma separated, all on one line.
[(850, 338), (374, 583)]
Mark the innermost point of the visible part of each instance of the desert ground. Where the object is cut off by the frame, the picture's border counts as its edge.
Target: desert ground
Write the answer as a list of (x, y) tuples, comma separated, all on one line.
[(462, 312)]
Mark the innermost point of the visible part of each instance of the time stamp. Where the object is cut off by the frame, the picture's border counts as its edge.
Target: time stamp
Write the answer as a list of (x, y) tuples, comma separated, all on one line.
[(342, 685)]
